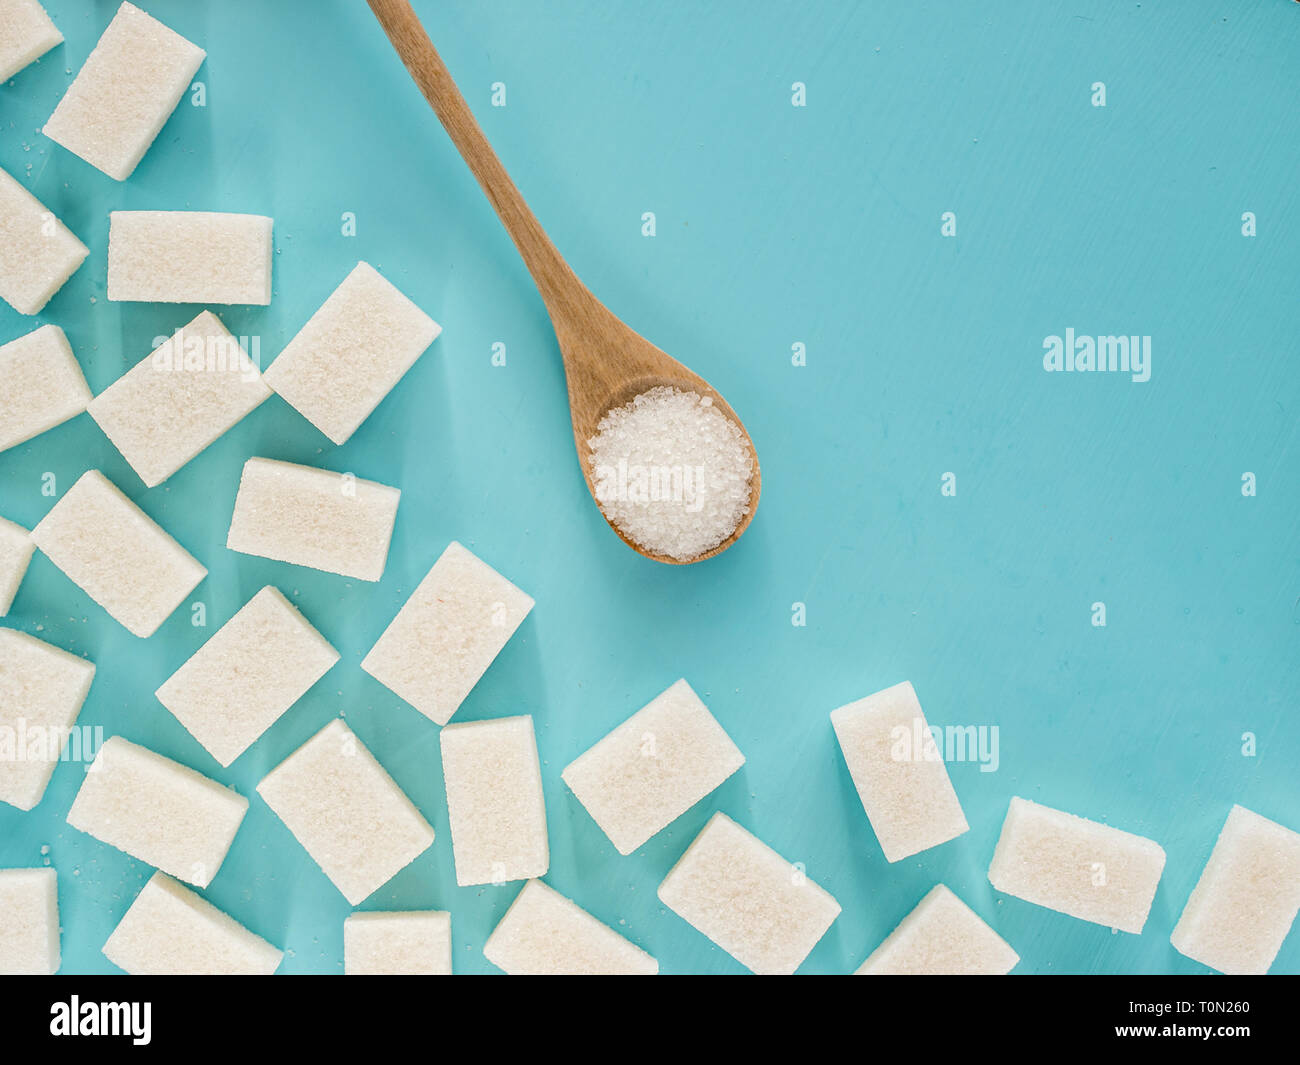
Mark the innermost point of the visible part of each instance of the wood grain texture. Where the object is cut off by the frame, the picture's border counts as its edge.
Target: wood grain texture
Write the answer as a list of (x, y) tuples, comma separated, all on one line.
[(606, 363)]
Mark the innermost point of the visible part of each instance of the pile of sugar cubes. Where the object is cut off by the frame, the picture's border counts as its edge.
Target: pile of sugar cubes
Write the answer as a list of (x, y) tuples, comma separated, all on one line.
[(332, 794)]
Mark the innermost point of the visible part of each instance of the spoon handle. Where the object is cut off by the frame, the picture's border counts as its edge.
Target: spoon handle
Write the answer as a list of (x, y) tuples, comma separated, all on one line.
[(559, 286)]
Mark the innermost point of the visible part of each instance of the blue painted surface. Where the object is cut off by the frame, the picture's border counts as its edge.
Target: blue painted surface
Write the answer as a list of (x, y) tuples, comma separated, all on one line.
[(776, 225)]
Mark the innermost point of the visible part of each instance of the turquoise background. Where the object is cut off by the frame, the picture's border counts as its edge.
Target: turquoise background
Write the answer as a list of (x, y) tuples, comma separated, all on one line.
[(776, 225)]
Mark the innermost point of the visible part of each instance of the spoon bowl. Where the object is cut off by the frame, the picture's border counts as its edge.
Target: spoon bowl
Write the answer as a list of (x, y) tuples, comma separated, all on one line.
[(607, 364)]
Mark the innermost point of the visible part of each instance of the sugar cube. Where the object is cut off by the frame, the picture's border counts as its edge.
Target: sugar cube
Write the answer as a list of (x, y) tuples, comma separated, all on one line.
[(26, 34), (1075, 866), (545, 934), (37, 251), (346, 811), (898, 772), (41, 691), (407, 943), (189, 257), (29, 916), (41, 385), (941, 937), (176, 401), (1247, 897), (494, 801), (653, 767), (254, 668), (157, 810), (125, 92), (116, 554), (444, 638), (351, 353), (171, 931), (755, 905), (16, 549), (312, 517)]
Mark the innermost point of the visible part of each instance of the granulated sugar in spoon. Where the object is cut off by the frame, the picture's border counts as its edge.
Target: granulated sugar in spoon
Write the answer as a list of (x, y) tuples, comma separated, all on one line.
[(664, 455)]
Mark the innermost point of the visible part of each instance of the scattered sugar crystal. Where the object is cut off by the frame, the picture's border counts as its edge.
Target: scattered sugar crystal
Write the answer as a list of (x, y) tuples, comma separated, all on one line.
[(672, 472)]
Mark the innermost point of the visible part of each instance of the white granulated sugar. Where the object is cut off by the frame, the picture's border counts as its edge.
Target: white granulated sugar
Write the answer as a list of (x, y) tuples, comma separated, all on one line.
[(178, 399), (346, 811), (256, 666), (1075, 866), (189, 257), (351, 353), (171, 931), (37, 251), (128, 88), (1246, 900), (672, 472), (545, 934), (397, 943), (26, 34), (41, 692), (941, 937), (157, 810), (117, 554), (654, 767), (41, 385), (16, 549), (29, 922)]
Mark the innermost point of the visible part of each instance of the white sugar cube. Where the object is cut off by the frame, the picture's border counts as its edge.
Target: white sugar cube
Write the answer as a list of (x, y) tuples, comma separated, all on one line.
[(346, 811), (405, 943), (444, 638), (653, 767), (495, 804), (29, 917), (37, 251), (898, 772), (1247, 898), (351, 353), (124, 94), (941, 937), (16, 549), (176, 401), (171, 931), (311, 517), (189, 257), (26, 34), (116, 554), (41, 692), (755, 905), (1075, 866), (157, 810), (545, 934), (41, 385), (254, 668)]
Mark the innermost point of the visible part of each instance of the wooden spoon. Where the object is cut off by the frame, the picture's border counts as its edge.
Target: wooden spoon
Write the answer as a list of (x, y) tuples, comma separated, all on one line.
[(606, 363)]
